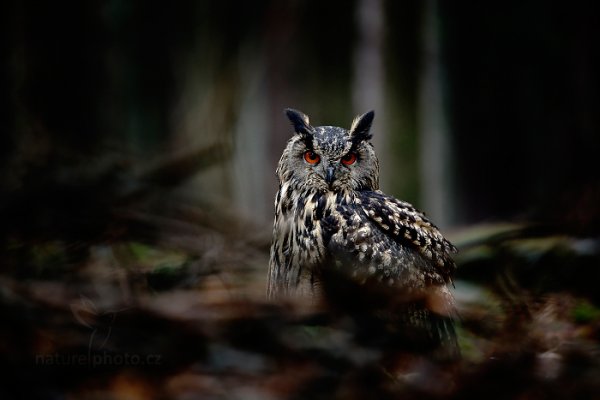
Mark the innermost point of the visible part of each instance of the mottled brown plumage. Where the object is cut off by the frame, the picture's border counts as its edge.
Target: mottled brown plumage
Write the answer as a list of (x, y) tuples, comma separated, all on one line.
[(333, 224)]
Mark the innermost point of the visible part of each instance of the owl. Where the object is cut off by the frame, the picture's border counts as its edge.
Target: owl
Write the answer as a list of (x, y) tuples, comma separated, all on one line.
[(337, 237)]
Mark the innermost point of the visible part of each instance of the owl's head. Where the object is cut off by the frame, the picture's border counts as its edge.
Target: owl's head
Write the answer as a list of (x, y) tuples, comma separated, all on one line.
[(328, 158)]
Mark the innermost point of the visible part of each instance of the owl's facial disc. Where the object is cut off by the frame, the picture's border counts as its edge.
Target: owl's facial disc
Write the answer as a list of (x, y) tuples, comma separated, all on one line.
[(330, 155), (329, 158)]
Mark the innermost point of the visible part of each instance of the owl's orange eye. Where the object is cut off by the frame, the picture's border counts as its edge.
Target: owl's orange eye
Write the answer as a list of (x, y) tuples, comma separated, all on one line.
[(349, 159), (311, 157)]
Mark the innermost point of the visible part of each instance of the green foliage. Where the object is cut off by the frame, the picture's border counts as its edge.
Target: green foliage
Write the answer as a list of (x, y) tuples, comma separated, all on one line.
[(585, 312)]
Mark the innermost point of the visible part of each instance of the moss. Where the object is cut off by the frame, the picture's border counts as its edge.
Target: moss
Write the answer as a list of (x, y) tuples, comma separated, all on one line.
[(585, 312)]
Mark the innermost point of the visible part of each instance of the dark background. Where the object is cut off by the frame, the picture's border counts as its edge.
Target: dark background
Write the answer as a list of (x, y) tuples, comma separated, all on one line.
[(86, 81)]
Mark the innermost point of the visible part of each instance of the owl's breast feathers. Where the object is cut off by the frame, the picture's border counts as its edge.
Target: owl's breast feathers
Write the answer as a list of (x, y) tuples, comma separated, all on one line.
[(372, 255), (369, 234)]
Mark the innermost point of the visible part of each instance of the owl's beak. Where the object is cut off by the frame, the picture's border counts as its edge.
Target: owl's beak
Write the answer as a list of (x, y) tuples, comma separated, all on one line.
[(330, 174)]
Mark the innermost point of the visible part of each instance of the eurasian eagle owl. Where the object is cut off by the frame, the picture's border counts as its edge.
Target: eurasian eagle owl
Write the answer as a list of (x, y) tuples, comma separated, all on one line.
[(333, 224)]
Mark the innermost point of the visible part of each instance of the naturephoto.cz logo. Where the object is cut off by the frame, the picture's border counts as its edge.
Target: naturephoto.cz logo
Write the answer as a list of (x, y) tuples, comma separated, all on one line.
[(98, 359), (100, 324)]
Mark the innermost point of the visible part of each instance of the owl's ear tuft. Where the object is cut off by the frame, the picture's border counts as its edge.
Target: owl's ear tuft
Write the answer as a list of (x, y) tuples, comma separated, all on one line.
[(300, 121), (361, 127)]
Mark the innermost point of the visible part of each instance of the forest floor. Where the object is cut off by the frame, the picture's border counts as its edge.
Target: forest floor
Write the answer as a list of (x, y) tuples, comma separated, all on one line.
[(181, 313)]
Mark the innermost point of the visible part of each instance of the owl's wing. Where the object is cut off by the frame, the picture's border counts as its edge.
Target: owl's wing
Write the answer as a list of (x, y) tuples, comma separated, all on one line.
[(408, 227), (379, 237), (387, 259)]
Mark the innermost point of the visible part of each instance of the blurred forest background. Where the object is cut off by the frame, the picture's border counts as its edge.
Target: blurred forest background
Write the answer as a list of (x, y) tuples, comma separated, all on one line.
[(138, 149)]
